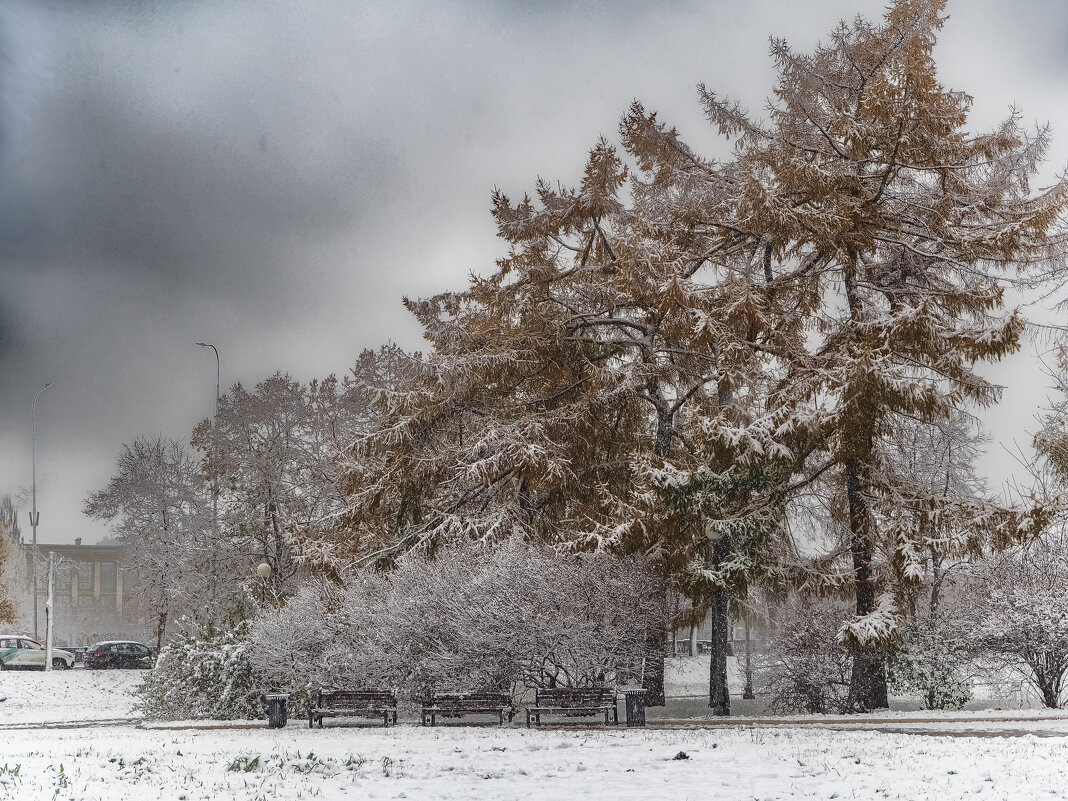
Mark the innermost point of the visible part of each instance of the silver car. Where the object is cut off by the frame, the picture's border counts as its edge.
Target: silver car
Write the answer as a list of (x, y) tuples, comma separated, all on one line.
[(18, 651)]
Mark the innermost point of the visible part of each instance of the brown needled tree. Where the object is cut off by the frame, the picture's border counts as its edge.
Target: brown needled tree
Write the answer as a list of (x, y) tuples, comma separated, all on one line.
[(902, 228)]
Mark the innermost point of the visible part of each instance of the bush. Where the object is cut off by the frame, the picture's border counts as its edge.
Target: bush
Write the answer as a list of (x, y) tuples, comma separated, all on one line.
[(935, 664), (803, 667), (468, 618), (202, 676), (1024, 617)]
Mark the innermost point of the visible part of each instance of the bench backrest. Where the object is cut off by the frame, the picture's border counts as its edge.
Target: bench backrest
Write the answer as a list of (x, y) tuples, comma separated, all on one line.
[(575, 697), (457, 700), (357, 699)]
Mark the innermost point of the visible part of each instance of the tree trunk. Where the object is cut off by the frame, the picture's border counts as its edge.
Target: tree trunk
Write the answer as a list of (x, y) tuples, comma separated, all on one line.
[(937, 575), (719, 698), (748, 693), (1048, 670), (161, 628), (867, 684), (653, 676)]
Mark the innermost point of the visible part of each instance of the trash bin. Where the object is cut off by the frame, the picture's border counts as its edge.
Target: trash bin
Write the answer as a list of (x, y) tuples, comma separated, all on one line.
[(635, 707), (276, 710)]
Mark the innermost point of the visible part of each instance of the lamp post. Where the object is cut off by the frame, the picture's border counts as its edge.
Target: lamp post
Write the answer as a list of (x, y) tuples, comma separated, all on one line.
[(214, 423), (33, 513), (218, 372), (263, 570), (215, 467)]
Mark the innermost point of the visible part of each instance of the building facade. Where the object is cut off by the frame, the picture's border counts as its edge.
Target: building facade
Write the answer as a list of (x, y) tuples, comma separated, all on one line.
[(92, 593)]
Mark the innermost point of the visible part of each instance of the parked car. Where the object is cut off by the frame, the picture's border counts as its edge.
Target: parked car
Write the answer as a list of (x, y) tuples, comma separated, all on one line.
[(18, 651), (118, 654)]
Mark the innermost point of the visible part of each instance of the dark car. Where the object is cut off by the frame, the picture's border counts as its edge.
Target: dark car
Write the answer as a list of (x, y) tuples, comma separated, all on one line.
[(118, 654)]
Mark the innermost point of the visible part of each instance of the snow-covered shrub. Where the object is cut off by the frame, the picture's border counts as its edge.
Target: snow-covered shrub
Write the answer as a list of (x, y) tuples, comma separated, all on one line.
[(1024, 620), (802, 666), (935, 663), (465, 618), (202, 676)]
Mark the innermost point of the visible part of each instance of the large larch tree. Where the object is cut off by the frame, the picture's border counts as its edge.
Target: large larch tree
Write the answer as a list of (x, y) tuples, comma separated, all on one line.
[(876, 200)]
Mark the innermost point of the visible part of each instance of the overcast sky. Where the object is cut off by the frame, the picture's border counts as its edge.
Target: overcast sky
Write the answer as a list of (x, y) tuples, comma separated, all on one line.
[(272, 177)]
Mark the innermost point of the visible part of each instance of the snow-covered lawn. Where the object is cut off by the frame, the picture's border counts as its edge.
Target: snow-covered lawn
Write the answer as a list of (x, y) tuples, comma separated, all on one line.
[(108, 760), (67, 695)]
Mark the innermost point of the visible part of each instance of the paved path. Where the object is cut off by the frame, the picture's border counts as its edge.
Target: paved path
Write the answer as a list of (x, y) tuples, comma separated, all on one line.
[(992, 726), (856, 721)]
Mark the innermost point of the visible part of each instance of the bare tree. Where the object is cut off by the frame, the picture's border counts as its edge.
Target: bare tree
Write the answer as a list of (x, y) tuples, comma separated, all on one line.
[(273, 453), (160, 508), (1025, 616)]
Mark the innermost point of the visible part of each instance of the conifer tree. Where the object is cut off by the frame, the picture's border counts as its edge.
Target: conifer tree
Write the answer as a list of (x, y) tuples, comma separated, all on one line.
[(568, 393), (900, 229), (668, 352)]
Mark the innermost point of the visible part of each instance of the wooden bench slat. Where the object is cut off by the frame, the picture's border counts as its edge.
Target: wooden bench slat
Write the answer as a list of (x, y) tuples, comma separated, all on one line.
[(457, 704), (573, 702), (354, 703)]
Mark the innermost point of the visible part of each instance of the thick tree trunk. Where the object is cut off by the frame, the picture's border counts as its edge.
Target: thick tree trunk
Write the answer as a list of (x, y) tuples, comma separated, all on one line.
[(653, 677), (867, 685), (719, 698)]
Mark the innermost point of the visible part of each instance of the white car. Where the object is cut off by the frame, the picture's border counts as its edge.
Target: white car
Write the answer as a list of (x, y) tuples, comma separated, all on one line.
[(18, 651)]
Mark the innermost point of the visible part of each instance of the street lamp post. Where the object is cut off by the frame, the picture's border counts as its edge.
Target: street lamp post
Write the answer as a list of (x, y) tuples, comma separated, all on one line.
[(214, 423), (263, 570), (214, 479), (33, 513)]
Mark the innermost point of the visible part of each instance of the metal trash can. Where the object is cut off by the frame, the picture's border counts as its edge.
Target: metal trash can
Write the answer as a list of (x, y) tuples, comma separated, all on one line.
[(276, 710), (635, 707)]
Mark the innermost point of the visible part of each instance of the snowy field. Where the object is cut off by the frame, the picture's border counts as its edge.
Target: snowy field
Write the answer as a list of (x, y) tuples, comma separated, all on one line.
[(68, 735)]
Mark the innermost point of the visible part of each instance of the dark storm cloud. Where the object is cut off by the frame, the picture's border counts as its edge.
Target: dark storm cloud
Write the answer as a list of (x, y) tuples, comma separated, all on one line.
[(162, 147)]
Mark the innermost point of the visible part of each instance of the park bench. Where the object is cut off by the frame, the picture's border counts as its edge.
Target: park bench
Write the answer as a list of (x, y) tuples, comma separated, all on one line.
[(573, 702), (354, 703), (458, 704)]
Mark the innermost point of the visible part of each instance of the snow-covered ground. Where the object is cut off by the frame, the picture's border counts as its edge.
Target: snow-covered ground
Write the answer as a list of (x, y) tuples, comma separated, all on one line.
[(67, 695), (66, 735)]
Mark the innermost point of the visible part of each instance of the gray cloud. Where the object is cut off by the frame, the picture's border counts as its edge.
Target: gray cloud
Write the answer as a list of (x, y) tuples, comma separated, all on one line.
[(272, 176)]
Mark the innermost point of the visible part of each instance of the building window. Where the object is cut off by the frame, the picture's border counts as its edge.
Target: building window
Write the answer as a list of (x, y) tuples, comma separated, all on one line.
[(85, 576), (107, 576), (63, 580)]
